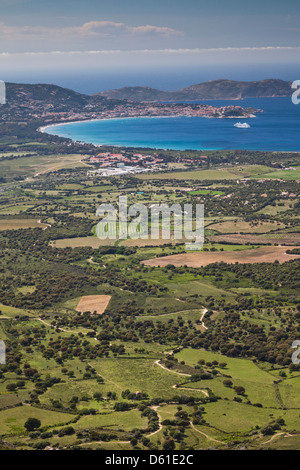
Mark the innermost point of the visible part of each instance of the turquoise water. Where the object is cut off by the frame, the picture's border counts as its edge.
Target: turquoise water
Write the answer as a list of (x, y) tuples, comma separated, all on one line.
[(277, 129)]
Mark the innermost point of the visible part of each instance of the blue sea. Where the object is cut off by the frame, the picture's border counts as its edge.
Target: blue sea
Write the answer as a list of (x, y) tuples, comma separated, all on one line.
[(276, 129)]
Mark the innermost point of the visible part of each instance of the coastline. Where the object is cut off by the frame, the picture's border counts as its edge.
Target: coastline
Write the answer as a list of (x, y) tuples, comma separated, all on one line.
[(229, 140), (42, 129), (64, 123)]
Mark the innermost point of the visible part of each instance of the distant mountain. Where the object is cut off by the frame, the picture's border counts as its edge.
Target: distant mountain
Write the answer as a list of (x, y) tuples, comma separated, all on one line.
[(215, 89), (138, 93)]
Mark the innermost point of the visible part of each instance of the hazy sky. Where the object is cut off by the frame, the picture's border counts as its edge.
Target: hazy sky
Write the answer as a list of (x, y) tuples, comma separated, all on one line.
[(118, 36)]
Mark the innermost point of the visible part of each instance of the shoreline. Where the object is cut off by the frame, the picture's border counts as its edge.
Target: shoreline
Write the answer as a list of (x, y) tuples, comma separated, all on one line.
[(172, 116), (43, 129), (64, 123)]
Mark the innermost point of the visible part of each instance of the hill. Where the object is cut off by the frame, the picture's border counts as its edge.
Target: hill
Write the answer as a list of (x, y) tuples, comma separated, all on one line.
[(40, 101), (51, 96), (215, 89)]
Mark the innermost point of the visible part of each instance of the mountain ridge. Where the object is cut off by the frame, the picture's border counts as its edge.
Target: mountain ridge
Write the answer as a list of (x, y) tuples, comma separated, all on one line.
[(213, 89)]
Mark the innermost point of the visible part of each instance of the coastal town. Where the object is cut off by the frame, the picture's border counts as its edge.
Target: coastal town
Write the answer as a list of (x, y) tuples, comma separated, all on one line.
[(134, 110)]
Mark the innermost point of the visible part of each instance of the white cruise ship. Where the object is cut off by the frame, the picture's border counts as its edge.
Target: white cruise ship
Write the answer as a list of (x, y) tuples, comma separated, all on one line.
[(242, 125)]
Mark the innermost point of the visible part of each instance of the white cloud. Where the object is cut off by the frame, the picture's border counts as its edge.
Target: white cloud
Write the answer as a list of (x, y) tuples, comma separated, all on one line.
[(90, 29), (152, 51)]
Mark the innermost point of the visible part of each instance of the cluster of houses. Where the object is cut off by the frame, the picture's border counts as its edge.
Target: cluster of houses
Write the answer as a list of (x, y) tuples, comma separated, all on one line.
[(110, 159), (116, 164)]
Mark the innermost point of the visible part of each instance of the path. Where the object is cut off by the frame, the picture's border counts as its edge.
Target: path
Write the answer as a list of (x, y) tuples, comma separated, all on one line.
[(201, 318), (44, 223), (51, 326), (159, 422), (182, 374), (172, 313), (275, 435), (206, 435), (180, 312), (105, 378), (192, 389), (173, 371)]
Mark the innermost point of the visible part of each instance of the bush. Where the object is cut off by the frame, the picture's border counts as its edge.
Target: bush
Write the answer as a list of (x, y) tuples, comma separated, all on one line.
[(32, 424), (67, 431)]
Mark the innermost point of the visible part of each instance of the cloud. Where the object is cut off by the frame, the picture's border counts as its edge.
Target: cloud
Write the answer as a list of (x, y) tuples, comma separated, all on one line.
[(152, 51), (87, 30)]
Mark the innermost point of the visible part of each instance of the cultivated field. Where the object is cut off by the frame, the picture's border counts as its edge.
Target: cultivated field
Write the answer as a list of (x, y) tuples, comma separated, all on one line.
[(267, 254), (15, 224), (93, 242), (93, 303)]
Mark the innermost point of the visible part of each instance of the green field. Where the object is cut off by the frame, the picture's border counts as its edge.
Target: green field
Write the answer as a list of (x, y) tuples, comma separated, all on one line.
[(12, 420), (40, 164), (283, 174), (228, 173)]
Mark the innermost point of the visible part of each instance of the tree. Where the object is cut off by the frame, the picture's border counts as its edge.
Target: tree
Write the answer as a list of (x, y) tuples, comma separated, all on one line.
[(168, 444), (32, 424), (227, 383), (11, 387), (239, 390)]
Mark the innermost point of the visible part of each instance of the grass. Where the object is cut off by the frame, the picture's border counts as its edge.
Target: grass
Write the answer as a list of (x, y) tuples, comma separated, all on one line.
[(282, 174), (126, 420), (201, 288), (257, 382), (80, 388), (33, 166), (7, 310), (15, 209), (233, 417), (290, 392), (228, 173), (204, 192), (236, 368), (137, 374), (282, 205), (12, 420), (284, 443)]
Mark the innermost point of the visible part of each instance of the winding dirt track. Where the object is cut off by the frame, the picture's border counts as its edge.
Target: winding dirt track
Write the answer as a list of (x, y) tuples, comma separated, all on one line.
[(168, 370), (284, 434)]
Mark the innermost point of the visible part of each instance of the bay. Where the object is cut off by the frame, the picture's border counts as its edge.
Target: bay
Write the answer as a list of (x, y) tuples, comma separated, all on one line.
[(276, 129)]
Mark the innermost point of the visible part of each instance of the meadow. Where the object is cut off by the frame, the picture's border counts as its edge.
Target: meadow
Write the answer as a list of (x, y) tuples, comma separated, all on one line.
[(226, 173)]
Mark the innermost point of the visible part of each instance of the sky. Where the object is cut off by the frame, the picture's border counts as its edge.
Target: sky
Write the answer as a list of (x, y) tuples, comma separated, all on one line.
[(93, 45)]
